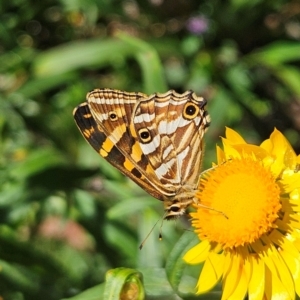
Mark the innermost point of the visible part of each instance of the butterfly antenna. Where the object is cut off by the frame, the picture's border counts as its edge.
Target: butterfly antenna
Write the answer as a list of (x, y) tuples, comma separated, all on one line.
[(145, 239), (207, 207), (212, 209), (161, 225), (207, 170)]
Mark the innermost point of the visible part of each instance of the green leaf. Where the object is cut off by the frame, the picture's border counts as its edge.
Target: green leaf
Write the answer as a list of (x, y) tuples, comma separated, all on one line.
[(120, 237), (150, 254), (122, 282), (219, 112), (290, 76), (98, 53), (94, 293), (36, 161), (21, 280), (11, 193), (275, 53), (156, 283), (175, 264), (75, 55), (147, 57), (130, 206), (185, 285), (85, 203), (36, 86)]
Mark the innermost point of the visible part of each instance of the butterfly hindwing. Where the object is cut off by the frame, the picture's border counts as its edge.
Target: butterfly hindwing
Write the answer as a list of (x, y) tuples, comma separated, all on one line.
[(170, 129), (88, 126)]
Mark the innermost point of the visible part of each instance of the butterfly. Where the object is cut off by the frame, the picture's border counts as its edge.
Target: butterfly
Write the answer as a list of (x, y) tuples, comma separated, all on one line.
[(155, 140)]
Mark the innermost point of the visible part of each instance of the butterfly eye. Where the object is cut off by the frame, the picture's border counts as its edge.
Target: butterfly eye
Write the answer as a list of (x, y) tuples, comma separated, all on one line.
[(174, 208), (112, 116), (145, 135), (190, 111)]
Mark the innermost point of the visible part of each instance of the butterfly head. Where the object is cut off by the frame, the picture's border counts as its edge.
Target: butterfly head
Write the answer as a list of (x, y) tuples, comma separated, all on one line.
[(174, 211), (176, 207)]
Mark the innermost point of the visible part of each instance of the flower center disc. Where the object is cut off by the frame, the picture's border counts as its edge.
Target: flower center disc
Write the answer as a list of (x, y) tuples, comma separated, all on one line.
[(247, 193)]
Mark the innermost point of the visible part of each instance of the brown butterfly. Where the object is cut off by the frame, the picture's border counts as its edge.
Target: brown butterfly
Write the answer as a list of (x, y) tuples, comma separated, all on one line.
[(155, 140)]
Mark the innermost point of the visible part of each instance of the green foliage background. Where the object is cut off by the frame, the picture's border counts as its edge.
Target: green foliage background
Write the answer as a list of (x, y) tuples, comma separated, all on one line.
[(66, 216)]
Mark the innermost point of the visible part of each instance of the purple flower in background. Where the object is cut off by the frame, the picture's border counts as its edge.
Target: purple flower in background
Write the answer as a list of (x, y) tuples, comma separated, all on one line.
[(197, 25)]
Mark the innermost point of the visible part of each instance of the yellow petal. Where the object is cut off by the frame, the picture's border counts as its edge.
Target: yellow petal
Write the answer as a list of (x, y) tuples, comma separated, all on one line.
[(283, 148), (233, 136), (295, 222), (274, 288), (278, 140), (211, 272), (277, 266), (290, 157), (285, 275), (277, 165), (293, 264), (280, 240), (257, 280), (198, 253), (241, 289), (279, 147), (232, 276), (291, 181), (251, 149), (229, 151), (267, 145), (220, 155)]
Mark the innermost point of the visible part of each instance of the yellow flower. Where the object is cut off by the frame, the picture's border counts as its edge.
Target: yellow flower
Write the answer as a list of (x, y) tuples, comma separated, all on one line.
[(256, 249)]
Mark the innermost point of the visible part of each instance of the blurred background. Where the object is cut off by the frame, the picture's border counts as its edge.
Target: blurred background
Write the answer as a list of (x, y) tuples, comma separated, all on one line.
[(66, 216)]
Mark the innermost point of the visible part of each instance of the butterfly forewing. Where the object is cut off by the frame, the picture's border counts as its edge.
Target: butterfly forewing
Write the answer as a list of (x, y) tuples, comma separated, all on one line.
[(109, 137), (94, 135), (112, 110)]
